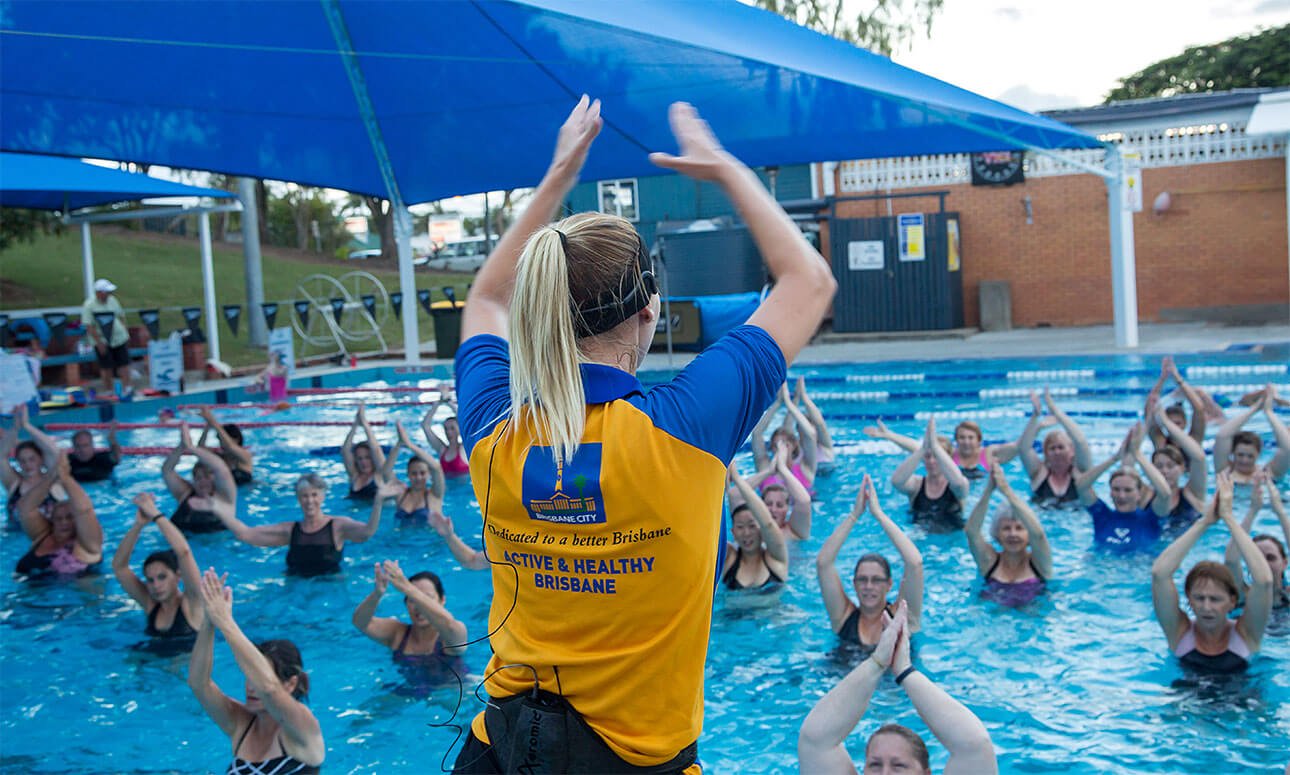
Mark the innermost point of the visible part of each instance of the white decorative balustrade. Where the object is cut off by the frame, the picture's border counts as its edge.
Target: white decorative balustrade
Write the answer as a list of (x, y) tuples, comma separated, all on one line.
[(1166, 146)]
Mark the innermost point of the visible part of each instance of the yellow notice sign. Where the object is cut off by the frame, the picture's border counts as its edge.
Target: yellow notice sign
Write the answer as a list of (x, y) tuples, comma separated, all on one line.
[(952, 248)]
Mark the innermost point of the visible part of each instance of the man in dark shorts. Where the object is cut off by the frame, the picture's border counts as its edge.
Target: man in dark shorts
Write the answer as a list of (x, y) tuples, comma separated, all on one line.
[(111, 341), (88, 465)]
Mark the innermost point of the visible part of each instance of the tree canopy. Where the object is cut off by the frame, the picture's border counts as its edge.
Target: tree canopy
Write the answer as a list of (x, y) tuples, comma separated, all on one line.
[(1258, 59), (883, 29)]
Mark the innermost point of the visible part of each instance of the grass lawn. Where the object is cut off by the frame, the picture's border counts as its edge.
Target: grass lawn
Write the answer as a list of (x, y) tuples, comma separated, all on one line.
[(163, 271)]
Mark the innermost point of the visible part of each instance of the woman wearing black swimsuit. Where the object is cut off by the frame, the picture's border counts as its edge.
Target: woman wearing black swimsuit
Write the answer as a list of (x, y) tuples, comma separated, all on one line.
[(861, 623), (364, 460), (209, 497), (34, 457), (1066, 456), (935, 499), (317, 541), (434, 635), (1272, 548), (237, 457), (172, 614), (273, 730), (67, 543), (758, 559), (1017, 572), (1180, 453)]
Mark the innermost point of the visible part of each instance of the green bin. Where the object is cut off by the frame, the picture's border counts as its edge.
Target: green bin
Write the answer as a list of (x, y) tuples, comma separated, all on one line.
[(447, 327)]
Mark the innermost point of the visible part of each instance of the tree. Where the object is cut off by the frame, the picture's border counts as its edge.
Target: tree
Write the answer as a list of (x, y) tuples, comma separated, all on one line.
[(291, 219), (882, 30), (1247, 61), (21, 225)]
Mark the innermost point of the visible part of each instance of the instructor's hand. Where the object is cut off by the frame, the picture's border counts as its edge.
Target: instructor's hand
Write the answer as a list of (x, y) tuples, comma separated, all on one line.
[(574, 140), (702, 156)]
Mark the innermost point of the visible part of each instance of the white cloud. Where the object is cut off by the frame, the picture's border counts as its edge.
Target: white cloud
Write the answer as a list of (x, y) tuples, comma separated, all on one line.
[(1026, 98)]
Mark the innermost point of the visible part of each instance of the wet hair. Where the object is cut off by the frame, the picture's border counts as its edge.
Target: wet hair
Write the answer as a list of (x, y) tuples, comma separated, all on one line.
[(1281, 548), (166, 557), (312, 482), (414, 460), (434, 579), (31, 445), (583, 262), (234, 431), (968, 425), (81, 433), (367, 445), (1137, 480), (1171, 452), (286, 661), (1248, 437), (916, 745), (873, 557), (1208, 570)]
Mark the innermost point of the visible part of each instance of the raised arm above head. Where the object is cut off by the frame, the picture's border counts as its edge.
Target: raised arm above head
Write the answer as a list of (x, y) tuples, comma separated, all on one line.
[(8, 441), (771, 534), (178, 486), (881, 431), (452, 633), (1083, 457), (1086, 479), (1163, 492), (1041, 553), (911, 581), (804, 284), (1026, 442), (826, 570), (1198, 421), (131, 583), (48, 446), (1280, 462), (226, 440), (1164, 593), (487, 308), (427, 427), (378, 455), (1223, 439), (761, 457), (1258, 598), (1197, 468), (1232, 555), (983, 553), (949, 469), (904, 478)]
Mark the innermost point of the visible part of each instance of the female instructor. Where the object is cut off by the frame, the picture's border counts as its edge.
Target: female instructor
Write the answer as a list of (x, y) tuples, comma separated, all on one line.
[(602, 504)]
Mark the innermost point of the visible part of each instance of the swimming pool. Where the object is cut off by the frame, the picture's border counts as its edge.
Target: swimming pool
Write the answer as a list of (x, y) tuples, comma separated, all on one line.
[(1077, 682)]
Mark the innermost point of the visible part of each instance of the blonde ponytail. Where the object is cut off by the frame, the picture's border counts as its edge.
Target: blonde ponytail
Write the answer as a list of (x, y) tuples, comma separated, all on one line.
[(546, 384)]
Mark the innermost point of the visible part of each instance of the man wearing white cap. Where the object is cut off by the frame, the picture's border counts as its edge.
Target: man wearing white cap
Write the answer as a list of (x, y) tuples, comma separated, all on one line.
[(110, 337)]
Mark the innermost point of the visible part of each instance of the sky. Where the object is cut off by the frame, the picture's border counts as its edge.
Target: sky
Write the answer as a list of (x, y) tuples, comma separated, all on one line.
[(1044, 54)]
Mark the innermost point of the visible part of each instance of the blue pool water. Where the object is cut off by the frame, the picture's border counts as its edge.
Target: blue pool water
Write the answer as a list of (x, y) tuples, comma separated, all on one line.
[(1077, 682)]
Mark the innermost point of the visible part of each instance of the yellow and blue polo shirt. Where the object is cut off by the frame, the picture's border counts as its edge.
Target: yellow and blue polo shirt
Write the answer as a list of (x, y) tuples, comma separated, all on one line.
[(614, 553)]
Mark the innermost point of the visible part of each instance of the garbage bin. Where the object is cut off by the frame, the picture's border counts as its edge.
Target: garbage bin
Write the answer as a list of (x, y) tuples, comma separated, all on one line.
[(447, 327)]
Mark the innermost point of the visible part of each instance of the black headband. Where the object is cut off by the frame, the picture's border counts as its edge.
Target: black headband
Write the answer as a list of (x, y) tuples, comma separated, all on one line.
[(607, 310)]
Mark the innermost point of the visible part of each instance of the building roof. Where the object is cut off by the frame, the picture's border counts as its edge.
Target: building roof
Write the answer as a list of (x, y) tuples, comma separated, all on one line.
[(1160, 107)]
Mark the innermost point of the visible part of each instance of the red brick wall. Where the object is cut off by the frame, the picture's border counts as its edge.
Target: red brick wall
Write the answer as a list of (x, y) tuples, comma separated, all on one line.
[(1222, 242)]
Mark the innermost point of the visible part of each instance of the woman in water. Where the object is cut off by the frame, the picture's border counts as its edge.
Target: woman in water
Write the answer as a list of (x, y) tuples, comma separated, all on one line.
[(70, 541), (273, 731), (1126, 525), (211, 491), (821, 744), (801, 449), (1066, 455), (1177, 453), (172, 614), (968, 454), (238, 458), (758, 559), (786, 498), (434, 634), (861, 622), (624, 486), (425, 488), (1015, 573), (824, 452), (452, 455), (936, 498), (1211, 642), (364, 460), (1239, 450), (317, 541), (1272, 548), (1175, 412), (34, 459)]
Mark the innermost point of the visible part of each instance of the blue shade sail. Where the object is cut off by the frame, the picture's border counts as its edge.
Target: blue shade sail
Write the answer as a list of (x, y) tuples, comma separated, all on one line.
[(53, 183)]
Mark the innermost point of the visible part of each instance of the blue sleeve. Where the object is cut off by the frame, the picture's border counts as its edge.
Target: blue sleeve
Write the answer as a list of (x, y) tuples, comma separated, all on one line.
[(715, 402), (483, 371)]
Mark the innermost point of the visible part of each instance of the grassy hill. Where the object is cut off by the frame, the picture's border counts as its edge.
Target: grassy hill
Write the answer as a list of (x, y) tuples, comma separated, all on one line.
[(164, 271)]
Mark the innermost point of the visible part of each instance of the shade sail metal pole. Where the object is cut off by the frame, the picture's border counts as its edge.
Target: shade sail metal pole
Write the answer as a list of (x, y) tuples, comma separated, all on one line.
[(1124, 283), (87, 260), (256, 332), (399, 211), (208, 284)]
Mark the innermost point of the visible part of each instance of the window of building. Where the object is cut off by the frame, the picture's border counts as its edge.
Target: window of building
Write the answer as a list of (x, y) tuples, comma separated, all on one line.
[(618, 197)]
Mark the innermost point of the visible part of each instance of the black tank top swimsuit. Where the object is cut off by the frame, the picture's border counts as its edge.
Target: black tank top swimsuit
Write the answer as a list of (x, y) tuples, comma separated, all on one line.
[(241, 477), (278, 765), (365, 493), (179, 628), (943, 514), (11, 507), (191, 520), (1180, 517), (1013, 593), (731, 579), (313, 554), (1045, 497), (850, 632)]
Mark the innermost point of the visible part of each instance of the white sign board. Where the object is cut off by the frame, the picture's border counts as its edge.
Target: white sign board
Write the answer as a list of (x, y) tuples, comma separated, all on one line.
[(17, 385), (863, 256), (1132, 181), (166, 363), (913, 246), (280, 341)]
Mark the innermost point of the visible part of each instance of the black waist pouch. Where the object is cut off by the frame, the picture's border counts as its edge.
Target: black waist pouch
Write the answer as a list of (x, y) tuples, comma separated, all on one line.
[(542, 733)]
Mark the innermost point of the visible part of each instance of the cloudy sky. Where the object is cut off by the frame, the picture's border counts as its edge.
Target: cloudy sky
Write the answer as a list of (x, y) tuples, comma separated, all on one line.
[(1040, 54)]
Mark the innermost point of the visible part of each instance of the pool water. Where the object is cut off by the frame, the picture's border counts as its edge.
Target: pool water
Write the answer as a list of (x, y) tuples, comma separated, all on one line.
[(1078, 681)]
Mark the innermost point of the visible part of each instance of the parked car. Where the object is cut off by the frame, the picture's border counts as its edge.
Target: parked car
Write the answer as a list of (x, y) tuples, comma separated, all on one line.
[(363, 255), (465, 255)]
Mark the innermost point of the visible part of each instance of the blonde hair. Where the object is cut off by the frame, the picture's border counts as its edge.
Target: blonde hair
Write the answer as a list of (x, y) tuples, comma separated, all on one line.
[(554, 278)]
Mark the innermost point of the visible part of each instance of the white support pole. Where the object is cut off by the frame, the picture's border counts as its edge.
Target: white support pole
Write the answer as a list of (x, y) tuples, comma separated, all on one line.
[(1124, 283), (407, 283), (208, 285), (87, 260)]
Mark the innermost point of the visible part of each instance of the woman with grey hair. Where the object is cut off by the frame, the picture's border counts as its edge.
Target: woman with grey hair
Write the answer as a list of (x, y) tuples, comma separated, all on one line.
[(317, 541), (1016, 573)]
